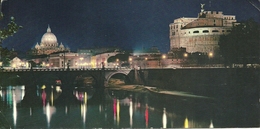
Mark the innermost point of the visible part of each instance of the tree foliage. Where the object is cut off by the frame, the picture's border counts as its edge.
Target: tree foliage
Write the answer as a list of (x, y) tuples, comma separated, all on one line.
[(242, 44), (120, 57), (8, 31)]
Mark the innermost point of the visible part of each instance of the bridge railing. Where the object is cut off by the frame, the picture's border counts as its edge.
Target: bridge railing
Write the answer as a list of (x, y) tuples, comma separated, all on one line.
[(71, 69)]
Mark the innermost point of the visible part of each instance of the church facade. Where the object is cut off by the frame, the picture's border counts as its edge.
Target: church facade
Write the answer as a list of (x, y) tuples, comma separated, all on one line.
[(49, 44), (200, 34)]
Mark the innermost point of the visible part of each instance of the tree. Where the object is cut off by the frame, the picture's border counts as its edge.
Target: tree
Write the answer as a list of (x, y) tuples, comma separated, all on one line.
[(242, 44), (11, 29), (6, 32)]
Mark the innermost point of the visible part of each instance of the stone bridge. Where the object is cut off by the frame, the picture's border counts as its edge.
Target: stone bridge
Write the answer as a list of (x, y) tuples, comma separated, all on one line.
[(49, 77)]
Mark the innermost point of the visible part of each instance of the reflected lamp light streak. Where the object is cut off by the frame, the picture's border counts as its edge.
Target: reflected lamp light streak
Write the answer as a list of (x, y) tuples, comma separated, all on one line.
[(43, 97), (131, 114), (30, 111), (49, 110), (211, 124), (51, 97), (186, 123), (146, 115), (9, 96), (164, 119), (66, 109), (114, 107), (83, 112), (118, 111), (85, 98), (14, 109), (114, 110), (1, 94)]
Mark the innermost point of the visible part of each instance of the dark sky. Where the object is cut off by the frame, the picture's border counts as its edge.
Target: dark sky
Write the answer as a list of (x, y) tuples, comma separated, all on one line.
[(100, 23)]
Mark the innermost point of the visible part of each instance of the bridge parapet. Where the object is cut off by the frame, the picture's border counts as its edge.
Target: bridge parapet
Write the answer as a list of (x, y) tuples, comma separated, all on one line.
[(71, 69), (26, 76)]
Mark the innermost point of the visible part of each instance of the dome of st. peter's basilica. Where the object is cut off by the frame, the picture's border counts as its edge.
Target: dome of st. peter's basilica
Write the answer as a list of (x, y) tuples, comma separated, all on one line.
[(49, 39), (48, 45)]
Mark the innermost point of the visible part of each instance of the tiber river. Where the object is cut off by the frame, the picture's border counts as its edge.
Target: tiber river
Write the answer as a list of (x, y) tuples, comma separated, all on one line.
[(137, 107)]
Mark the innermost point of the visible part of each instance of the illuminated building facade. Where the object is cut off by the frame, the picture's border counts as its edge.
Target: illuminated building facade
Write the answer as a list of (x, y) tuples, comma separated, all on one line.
[(48, 45), (97, 57), (200, 34)]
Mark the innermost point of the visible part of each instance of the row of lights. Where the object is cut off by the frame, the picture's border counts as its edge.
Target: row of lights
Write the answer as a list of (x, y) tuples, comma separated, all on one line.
[(185, 55), (163, 56)]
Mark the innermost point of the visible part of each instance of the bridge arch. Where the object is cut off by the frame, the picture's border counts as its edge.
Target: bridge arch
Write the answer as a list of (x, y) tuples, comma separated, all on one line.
[(85, 79), (121, 74)]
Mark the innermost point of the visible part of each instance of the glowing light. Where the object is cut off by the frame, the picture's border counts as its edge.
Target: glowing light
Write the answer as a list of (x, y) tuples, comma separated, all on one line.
[(114, 109), (14, 109), (186, 123), (30, 111), (131, 113), (185, 55), (52, 97), (49, 111), (85, 98), (83, 112), (58, 89), (146, 116), (43, 97), (210, 54), (43, 86), (163, 56), (118, 112), (164, 119), (66, 109), (130, 59), (211, 124)]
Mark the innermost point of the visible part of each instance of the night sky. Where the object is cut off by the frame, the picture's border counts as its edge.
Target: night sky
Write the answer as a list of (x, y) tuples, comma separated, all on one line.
[(129, 24)]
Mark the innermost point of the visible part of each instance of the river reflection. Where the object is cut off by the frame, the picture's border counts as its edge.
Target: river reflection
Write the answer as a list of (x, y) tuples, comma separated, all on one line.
[(93, 108)]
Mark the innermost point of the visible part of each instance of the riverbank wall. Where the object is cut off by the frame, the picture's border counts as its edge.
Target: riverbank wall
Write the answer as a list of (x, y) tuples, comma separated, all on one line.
[(207, 81)]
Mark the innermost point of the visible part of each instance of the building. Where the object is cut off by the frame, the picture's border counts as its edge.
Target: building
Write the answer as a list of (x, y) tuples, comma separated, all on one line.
[(63, 60), (97, 57), (200, 34), (147, 58), (101, 60), (17, 63), (48, 45)]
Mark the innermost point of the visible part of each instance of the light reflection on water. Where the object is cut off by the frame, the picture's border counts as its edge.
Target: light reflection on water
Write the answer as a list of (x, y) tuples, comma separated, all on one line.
[(140, 113), (111, 109)]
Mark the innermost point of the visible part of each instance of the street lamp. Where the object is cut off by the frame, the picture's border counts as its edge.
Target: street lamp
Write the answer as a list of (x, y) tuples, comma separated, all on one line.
[(210, 55), (117, 63), (185, 55), (163, 57), (130, 60)]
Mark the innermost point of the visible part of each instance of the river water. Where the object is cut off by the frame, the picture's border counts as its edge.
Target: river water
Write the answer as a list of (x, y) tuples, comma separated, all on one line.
[(52, 107)]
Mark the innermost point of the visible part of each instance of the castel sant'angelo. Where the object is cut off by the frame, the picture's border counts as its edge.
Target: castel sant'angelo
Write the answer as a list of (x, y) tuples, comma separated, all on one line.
[(200, 34)]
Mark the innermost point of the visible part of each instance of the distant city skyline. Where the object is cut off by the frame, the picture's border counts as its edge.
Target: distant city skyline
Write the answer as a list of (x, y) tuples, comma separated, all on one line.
[(128, 24)]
